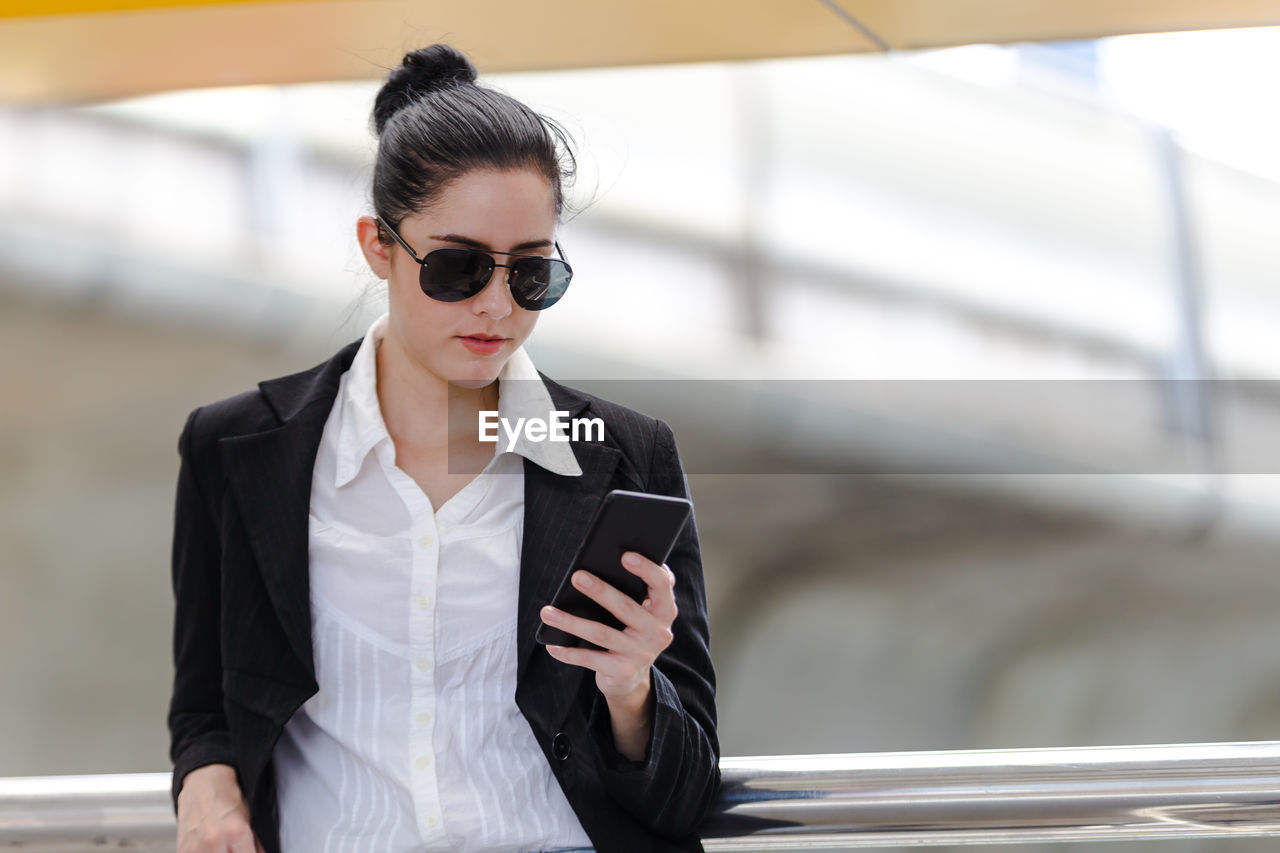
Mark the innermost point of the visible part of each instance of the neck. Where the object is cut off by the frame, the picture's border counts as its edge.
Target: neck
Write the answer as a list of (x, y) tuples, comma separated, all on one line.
[(413, 399)]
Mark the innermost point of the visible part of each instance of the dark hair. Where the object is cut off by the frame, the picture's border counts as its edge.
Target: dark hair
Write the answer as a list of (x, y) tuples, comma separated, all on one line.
[(434, 124)]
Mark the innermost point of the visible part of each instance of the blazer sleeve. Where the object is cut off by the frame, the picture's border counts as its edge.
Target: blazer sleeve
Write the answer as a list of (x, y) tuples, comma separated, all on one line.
[(674, 786), (197, 725)]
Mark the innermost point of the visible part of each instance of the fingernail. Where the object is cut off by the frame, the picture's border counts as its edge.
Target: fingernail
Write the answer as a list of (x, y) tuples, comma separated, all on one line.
[(632, 559), (584, 579)]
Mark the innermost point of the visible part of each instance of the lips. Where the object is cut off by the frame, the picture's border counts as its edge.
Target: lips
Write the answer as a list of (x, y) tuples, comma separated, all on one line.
[(482, 344)]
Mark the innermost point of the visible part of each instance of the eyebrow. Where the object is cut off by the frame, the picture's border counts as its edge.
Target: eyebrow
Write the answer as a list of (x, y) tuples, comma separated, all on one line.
[(467, 241)]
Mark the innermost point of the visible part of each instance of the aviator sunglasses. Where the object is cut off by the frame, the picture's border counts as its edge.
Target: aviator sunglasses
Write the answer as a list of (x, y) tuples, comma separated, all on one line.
[(452, 275)]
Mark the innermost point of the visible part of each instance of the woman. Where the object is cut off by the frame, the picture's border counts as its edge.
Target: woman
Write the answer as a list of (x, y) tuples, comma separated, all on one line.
[(355, 664)]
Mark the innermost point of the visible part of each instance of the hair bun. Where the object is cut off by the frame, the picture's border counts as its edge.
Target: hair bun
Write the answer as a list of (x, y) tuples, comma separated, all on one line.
[(424, 70), (438, 65)]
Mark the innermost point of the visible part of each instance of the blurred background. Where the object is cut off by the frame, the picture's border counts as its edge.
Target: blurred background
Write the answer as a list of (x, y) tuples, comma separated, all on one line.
[(995, 327)]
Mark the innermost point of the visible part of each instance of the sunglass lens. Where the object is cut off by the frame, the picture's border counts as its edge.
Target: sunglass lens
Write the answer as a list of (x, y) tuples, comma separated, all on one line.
[(452, 275), (538, 283)]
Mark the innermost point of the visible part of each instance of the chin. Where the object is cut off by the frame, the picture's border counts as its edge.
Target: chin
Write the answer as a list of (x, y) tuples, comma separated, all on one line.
[(473, 374)]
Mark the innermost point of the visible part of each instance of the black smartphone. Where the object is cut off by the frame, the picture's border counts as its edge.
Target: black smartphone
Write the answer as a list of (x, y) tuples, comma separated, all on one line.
[(624, 521)]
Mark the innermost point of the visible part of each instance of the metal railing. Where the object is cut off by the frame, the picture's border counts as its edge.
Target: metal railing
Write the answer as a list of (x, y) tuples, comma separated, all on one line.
[(819, 801)]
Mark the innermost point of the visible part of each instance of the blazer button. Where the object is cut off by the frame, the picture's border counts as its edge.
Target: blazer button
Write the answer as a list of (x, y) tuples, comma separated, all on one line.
[(560, 746)]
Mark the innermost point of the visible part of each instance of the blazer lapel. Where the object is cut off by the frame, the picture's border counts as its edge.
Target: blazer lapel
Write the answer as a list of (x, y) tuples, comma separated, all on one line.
[(270, 477), (557, 512)]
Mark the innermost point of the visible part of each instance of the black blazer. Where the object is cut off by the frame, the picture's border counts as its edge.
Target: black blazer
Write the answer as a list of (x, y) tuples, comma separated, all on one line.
[(242, 629)]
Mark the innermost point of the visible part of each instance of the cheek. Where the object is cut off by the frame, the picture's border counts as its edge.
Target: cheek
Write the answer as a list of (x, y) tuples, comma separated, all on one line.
[(421, 312), (421, 320), (403, 290), (526, 324)]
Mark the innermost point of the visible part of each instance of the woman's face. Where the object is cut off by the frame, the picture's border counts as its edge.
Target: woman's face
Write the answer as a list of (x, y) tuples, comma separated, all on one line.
[(503, 211)]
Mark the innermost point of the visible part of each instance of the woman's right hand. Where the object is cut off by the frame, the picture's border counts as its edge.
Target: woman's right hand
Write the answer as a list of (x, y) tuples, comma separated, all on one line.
[(212, 814)]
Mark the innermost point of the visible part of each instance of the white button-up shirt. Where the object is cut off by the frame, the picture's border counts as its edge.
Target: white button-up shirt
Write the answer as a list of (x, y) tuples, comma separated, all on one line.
[(414, 741)]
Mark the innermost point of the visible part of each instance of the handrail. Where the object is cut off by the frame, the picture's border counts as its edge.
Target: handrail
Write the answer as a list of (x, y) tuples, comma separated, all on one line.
[(837, 801)]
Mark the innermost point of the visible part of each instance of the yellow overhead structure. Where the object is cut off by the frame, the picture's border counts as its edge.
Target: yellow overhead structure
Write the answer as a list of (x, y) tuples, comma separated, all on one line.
[(86, 50)]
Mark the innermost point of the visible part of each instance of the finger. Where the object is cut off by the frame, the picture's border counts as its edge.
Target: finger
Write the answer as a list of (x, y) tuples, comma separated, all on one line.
[(654, 575), (602, 635), (646, 625), (661, 582), (606, 663), (632, 615)]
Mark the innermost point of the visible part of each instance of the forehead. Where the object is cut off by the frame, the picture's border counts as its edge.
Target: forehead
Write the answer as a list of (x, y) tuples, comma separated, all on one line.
[(508, 205)]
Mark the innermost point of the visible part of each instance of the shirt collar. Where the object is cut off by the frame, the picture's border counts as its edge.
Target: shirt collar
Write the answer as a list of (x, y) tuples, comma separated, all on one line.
[(360, 424), (521, 394)]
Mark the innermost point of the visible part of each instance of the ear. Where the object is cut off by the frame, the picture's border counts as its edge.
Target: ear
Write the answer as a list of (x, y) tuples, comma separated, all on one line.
[(375, 253)]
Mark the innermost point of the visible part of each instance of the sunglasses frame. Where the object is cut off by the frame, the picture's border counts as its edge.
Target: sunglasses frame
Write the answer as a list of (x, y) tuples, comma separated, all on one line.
[(508, 267)]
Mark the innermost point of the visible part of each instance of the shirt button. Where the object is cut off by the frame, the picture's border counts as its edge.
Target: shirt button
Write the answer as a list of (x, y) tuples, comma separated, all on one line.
[(426, 540), (422, 761), (424, 602), (424, 717), (424, 664), (432, 820)]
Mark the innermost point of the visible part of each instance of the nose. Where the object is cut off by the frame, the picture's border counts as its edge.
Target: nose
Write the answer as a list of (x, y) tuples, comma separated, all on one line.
[(495, 299)]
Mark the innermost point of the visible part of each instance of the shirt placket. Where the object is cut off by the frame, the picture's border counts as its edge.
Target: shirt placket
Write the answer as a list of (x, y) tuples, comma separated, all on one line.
[(424, 538)]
